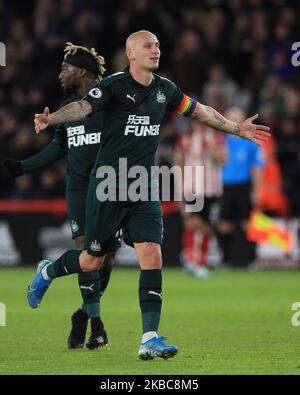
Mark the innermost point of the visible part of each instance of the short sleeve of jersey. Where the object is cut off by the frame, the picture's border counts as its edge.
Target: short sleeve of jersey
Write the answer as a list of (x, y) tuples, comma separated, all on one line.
[(99, 97), (179, 102), (175, 96)]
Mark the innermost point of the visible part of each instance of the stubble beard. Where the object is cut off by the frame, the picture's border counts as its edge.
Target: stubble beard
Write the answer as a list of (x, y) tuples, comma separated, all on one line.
[(69, 89)]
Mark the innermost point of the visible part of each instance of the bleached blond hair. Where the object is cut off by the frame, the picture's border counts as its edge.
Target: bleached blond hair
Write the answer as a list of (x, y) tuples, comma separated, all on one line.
[(71, 49)]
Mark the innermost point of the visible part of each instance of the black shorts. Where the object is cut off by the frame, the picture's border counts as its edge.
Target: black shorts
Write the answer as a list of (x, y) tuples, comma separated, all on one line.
[(235, 202), (76, 194), (141, 222), (76, 197)]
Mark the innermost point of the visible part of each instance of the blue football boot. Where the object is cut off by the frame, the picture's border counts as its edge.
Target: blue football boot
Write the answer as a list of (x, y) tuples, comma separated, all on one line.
[(38, 287), (156, 348)]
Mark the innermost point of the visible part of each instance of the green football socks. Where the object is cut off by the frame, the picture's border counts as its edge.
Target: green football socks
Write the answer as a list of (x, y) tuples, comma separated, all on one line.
[(67, 264), (150, 296)]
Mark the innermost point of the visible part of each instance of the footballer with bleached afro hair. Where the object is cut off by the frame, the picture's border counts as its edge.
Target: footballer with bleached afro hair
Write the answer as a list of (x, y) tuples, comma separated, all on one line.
[(86, 58)]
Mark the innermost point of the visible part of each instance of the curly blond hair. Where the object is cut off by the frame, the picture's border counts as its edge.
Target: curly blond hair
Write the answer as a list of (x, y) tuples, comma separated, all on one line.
[(72, 49)]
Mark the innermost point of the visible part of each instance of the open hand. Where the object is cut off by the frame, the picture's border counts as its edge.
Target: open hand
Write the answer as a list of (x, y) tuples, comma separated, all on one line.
[(256, 133), (41, 121)]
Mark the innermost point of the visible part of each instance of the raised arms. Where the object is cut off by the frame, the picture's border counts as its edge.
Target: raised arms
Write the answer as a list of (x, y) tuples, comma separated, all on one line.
[(247, 129), (68, 113)]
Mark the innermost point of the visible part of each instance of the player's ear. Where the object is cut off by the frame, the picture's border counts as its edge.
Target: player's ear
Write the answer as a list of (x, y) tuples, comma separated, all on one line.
[(130, 54), (82, 73)]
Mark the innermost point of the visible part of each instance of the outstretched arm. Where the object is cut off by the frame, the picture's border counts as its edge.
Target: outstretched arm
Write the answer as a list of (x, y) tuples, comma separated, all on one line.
[(11, 168), (47, 156), (69, 113), (247, 129), (56, 150)]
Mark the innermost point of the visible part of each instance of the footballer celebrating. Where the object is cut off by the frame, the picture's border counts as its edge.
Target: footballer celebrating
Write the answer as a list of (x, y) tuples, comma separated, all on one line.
[(134, 103), (82, 68)]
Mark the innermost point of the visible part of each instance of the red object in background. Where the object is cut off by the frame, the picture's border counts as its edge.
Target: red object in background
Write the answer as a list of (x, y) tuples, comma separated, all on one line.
[(271, 195), (58, 206), (195, 246), (53, 206), (169, 207)]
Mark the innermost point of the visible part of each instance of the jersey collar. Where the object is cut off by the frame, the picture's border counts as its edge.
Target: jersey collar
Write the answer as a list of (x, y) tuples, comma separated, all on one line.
[(126, 70)]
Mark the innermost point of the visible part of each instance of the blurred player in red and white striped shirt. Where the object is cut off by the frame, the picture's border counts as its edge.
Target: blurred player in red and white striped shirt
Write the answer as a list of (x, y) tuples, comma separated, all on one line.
[(200, 146)]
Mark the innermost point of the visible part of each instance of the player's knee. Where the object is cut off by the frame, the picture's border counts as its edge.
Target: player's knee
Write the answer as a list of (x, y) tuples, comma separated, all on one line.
[(156, 258), (149, 256), (90, 263)]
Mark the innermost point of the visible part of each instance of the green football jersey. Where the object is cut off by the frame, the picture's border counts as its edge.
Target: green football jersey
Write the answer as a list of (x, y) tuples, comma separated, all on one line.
[(81, 140), (132, 115)]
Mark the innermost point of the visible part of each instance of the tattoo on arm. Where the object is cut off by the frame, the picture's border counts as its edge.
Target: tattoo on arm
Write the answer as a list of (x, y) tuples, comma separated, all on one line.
[(212, 118), (218, 117), (71, 112), (221, 120), (237, 129)]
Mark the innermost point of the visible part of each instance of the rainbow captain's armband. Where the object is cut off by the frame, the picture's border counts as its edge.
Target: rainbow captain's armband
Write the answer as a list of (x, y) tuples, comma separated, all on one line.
[(186, 107)]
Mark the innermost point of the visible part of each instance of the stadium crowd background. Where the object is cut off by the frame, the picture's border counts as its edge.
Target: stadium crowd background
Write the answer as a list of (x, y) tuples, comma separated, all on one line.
[(224, 53)]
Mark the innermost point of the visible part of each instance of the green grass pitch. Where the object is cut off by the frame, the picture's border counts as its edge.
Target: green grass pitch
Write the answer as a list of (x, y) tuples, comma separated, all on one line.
[(237, 322)]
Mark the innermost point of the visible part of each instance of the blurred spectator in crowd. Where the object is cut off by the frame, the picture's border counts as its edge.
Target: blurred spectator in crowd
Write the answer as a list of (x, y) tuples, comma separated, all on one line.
[(24, 189), (219, 91), (272, 96), (241, 180), (119, 61), (190, 63), (204, 147), (51, 186), (288, 152)]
